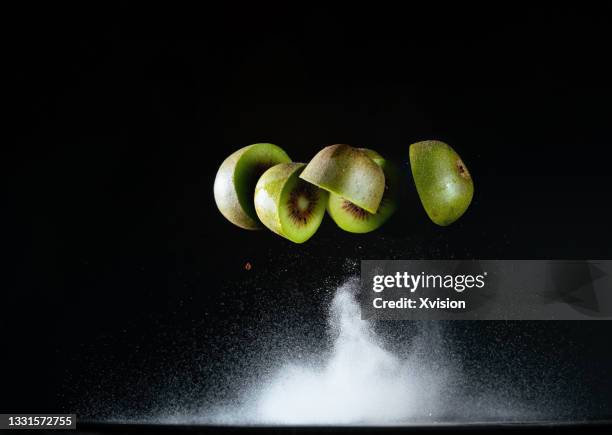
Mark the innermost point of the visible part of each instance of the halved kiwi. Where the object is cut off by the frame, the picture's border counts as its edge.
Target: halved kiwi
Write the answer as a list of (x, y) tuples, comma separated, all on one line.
[(348, 172), (287, 205), (352, 218), (236, 179)]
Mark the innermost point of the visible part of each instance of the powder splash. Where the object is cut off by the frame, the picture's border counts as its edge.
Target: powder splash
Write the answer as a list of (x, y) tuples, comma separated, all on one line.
[(411, 377), (360, 382)]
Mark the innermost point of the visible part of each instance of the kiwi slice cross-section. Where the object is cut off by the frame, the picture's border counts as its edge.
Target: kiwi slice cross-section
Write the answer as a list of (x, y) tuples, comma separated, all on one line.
[(288, 205), (236, 179), (349, 173), (442, 179), (352, 218)]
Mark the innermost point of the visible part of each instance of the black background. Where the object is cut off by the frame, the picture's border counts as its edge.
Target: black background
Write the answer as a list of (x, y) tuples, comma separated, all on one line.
[(117, 260)]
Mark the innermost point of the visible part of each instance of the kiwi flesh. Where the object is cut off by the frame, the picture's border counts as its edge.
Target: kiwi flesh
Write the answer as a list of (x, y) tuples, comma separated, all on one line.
[(442, 180), (349, 173), (236, 179), (288, 205), (354, 219)]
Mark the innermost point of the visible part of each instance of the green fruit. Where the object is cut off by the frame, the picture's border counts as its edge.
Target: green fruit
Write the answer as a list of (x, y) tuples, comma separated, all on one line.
[(236, 179), (355, 219), (287, 205), (442, 180), (348, 172)]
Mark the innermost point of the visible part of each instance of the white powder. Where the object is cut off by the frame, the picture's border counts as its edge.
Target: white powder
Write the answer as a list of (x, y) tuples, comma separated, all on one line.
[(361, 382)]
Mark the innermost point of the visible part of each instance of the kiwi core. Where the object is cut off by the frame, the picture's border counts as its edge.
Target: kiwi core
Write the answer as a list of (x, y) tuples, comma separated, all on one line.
[(301, 203)]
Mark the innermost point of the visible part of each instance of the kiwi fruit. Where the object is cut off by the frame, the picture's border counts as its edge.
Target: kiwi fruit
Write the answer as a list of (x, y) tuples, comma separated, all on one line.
[(442, 180), (288, 205), (236, 179), (354, 219), (349, 173)]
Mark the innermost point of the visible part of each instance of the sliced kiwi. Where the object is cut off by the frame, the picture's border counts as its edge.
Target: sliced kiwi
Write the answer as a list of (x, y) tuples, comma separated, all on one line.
[(348, 172), (443, 181), (354, 219), (236, 179), (287, 205)]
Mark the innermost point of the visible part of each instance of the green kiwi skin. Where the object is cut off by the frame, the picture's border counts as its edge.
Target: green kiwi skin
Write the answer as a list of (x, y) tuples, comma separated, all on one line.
[(236, 178), (443, 182)]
